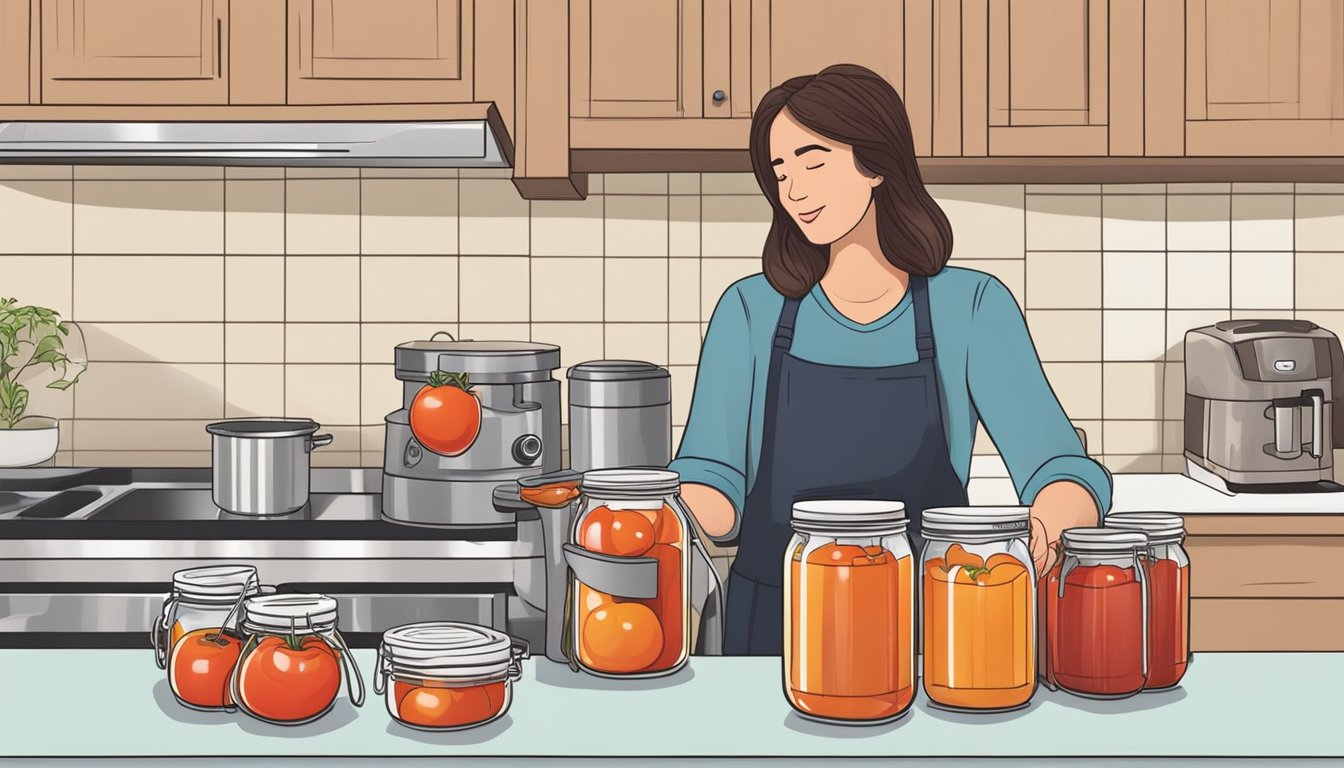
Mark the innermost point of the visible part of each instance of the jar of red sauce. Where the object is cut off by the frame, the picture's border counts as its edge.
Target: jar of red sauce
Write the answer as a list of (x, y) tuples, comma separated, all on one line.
[(849, 596), (196, 635), (290, 668), (447, 676), (629, 554), (1096, 613), (1169, 593)]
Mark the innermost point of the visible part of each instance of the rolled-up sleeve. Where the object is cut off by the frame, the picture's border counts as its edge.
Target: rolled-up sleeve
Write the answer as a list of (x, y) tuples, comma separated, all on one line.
[(1019, 409), (713, 447)]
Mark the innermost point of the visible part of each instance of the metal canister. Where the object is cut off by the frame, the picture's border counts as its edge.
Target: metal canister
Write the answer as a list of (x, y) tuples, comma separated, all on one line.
[(620, 415)]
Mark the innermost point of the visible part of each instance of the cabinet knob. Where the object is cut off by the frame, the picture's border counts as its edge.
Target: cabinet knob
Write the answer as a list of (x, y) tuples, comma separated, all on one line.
[(719, 96)]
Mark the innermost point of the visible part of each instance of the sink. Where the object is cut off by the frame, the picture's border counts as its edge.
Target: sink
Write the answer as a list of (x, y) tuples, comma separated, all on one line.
[(58, 506)]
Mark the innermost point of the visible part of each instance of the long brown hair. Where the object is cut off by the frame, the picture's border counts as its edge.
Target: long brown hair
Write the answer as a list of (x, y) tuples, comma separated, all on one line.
[(852, 105)]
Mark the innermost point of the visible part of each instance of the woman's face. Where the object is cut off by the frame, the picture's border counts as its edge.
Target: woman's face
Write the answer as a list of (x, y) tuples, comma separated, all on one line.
[(820, 184)]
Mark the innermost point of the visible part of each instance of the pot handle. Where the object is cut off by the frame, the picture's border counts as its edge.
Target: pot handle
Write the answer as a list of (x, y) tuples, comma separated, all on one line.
[(317, 441)]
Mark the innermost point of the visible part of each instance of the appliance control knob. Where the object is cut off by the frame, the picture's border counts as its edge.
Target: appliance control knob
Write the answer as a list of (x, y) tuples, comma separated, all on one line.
[(413, 453), (527, 449)]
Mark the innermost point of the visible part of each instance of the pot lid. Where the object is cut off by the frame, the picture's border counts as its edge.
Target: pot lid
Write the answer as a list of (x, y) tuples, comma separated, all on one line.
[(415, 360), (1161, 527), (849, 515), (616, 370), (976, 524), (303, 613), (446, 649), (263, 428), (1102, 541), (216, 583)]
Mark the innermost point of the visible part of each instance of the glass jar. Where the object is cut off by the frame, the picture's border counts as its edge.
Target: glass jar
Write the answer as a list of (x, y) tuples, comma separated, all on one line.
[(1169, 594), (195, 636), (1096, 612), (979, 608), (849, 612), (446, 675), (630, 559), (289, 671)]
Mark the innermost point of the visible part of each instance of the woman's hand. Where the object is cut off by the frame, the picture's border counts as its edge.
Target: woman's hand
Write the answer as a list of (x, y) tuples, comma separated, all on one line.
[(1059, 505), (711, 509)]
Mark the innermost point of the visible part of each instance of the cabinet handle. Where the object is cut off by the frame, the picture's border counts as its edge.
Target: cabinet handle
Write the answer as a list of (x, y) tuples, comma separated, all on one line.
[(719, 96), (219, 47)]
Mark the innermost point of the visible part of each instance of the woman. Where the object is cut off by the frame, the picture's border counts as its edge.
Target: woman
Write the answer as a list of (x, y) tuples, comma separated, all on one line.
[(858, 364)]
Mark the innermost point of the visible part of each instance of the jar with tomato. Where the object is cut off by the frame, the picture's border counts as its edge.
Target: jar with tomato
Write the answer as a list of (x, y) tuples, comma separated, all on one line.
[(629, 611), (1169, 603), (978, 609), (196, 637), (1096, 613), (849, 595), (447, 676), (289, 671)]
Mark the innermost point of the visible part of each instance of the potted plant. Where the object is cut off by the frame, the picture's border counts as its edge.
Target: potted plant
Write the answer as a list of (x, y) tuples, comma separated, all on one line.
[(31, 338)]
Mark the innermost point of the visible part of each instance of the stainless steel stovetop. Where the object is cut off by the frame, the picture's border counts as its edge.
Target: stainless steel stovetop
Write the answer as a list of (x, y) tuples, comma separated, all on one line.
[(86, 556)]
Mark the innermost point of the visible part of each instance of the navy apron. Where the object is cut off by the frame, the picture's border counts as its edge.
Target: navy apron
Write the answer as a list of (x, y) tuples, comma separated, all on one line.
[(835, 432)]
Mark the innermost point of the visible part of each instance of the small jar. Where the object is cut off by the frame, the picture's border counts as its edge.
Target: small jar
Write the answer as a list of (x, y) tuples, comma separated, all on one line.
[(849, 594), (289, 671), (630, 559), (979, 608), (196, 635), (1169, 594), (1097, 613), (447, 676)]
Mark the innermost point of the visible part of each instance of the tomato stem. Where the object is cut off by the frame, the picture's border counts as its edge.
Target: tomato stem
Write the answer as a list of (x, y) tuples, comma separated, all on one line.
[(446, 379)]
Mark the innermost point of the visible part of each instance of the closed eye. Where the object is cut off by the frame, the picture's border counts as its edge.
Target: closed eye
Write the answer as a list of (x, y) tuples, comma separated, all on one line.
[(814, 167)]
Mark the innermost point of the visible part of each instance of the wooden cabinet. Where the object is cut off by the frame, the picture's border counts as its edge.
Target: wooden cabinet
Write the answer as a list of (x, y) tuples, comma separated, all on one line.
[(1264, 77), (380, 51), (635, 59), (15, 66), (135, 51)]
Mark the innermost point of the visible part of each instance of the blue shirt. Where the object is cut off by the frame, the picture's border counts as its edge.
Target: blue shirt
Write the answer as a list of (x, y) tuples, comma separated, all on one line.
[(987, 369)]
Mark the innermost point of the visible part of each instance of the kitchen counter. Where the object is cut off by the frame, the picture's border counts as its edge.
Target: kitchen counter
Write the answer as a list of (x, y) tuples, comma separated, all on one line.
[(1247, 705)]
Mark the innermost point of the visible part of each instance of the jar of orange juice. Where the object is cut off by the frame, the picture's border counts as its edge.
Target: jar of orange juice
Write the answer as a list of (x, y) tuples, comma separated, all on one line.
[(202, 598), (978, 608), (849, 592), (629, 554)]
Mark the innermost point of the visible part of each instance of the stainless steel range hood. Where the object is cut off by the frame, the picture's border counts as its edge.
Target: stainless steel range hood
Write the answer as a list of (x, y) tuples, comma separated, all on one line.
[(425, 144)]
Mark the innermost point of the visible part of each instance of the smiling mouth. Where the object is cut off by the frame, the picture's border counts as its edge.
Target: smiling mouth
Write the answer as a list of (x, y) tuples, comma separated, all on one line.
[(811, 216)]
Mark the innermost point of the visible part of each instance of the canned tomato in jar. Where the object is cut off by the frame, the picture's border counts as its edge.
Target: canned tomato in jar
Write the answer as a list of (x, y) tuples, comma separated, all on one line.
[(196, 637), (1169, 598)]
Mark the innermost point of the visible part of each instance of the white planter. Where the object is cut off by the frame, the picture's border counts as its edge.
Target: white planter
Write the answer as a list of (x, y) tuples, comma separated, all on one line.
[(32, 441)]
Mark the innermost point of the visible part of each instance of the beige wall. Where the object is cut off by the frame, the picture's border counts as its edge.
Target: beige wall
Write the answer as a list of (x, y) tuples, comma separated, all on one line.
[(205, 294)]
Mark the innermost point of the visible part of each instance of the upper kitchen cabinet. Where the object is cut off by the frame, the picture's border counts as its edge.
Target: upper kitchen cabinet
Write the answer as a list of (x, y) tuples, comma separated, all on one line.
[(1039, 77), (636, 59), (148, 52), (380, 51), (1264, 77)]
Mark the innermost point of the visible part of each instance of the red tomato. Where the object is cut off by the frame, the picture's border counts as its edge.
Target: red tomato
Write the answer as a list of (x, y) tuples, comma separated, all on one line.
[(445, 415), (443, 707), (1099, 576), (200, 665), (282, 683), (669, 604), (667, 527), (621, 638), (624, 533)]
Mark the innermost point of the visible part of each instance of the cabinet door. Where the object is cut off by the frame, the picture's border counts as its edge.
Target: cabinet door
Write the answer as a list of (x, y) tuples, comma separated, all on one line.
[(15, 50), (636, 59), (1265, 77), (1059, 77), (135, 51), (379, 51)]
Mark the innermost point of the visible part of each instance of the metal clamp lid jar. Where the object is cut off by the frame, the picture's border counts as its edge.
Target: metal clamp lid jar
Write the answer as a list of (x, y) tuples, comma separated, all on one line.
[(1169, 655), (848, 584), (447, 675), (202, 597), (289, 671), (978, 608), (1097, 613)]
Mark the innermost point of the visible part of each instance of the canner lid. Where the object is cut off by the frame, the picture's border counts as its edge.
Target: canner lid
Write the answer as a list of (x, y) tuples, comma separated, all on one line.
[(446, 649), (975, 523), (280, 613), (216, 583), (415, 360), (1161, 527), (263, 428), (1102, 540), (616, 370)]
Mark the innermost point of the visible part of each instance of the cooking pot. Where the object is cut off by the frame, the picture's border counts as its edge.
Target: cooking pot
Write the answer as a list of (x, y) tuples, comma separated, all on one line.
[(261, 466)]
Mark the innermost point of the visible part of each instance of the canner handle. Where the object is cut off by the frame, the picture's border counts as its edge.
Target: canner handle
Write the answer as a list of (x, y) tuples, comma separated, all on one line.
[(707, 593)]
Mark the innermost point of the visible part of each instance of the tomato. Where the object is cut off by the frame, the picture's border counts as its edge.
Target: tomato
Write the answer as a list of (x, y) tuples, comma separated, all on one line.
[(1100, 576), (624, 533), (590, 599), (200, 664), (667, 526), (957, 555), (995, 561), (669, 605), (438, 706), (621, 637), (445, 414), (282, 683)]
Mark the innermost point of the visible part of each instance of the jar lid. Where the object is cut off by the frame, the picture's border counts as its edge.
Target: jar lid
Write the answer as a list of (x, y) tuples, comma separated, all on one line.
[(446, 649), (635, 482), (263, 428), (302, 613), (849, 516), (975, 524), (1102, 541), (416, 360), (1161, 527), (220, 584)]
